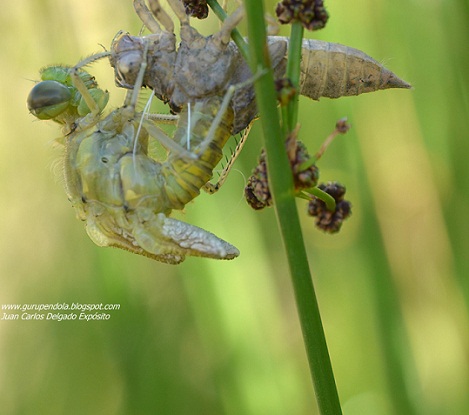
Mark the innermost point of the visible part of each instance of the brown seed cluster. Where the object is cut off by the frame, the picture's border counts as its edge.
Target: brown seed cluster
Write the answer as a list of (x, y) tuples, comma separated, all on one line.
[(257, 191), (196, 8), (303, 178), (330, 221), (311, 13)]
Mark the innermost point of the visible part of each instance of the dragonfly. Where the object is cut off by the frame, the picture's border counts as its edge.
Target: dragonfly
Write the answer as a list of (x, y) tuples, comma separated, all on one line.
[(124, 194), (121, 191)]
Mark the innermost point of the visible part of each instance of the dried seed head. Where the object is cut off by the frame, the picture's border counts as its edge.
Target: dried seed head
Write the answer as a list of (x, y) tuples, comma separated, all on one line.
[(342, 126), (330, 221), (311, 13), (253, 199), (196, 8), (257, 192), (298, 155)]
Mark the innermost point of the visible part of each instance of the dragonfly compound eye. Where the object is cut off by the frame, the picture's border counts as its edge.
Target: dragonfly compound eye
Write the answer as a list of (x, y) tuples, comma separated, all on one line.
[(48, 99)]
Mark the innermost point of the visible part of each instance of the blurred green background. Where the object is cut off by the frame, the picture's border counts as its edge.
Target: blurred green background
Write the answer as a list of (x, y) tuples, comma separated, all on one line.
[(215, 337)]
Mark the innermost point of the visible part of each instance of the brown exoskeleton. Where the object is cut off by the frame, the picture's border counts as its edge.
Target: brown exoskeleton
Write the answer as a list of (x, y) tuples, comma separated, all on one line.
[(207, 66)]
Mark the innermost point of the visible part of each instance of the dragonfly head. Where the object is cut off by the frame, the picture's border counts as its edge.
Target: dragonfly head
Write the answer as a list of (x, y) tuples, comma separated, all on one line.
[(48, 99)]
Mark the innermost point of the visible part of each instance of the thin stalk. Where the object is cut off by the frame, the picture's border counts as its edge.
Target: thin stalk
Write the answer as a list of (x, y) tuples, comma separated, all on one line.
[(293, 71), (281, 187), (325, 197)]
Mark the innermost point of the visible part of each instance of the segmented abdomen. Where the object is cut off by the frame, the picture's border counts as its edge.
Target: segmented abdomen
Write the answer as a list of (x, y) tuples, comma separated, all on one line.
[(184, 178), (327, 70), (333, 70)]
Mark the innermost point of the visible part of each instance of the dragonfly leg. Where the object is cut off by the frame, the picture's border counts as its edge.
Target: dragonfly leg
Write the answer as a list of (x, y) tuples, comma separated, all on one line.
[(230, 23), (150, 18), (212, 188), (223, 107), (93, 116), (178, 9), (161, 15)]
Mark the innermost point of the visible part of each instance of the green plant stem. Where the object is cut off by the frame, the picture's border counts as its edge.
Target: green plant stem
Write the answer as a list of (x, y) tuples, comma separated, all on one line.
[(281, 187), (325, 197), (293, 71)]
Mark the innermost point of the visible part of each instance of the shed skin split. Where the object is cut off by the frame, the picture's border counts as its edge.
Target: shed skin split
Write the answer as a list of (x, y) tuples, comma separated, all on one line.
[(122, 193), (205, 66)]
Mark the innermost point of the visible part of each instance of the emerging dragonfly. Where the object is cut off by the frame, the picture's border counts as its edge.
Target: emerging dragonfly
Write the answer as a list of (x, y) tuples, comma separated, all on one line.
[(122, 193), (208, 66)]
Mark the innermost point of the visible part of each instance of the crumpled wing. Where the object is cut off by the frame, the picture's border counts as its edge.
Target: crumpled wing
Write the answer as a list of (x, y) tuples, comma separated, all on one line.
[(103, 231), (168, 236), (160, 238)]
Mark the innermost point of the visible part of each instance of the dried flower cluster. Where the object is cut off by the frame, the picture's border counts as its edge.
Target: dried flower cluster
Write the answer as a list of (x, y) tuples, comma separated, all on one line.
[(311, 13), (330, 221), (257, 191), (196, 8), (303, 178)]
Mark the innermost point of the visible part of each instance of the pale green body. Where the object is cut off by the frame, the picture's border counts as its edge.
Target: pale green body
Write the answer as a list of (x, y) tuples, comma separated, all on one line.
[(126, 196), (122, 192)]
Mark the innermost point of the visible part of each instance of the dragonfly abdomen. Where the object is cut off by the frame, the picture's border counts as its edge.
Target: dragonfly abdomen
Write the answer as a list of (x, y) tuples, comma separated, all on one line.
[(185, 178)]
